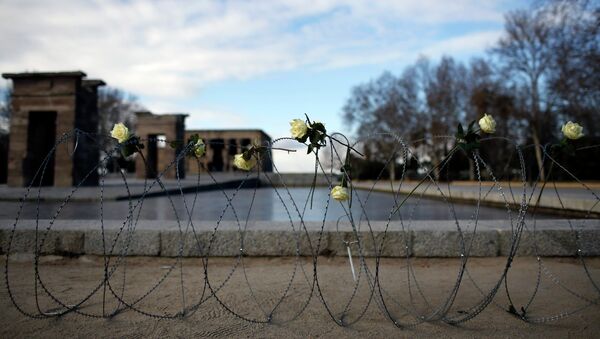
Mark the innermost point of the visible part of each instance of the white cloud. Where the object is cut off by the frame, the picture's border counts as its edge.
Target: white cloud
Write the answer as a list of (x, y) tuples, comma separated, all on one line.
[(464, 44), (199, 117), (170, 49), (294, 162), (297, 161), (165, 51)]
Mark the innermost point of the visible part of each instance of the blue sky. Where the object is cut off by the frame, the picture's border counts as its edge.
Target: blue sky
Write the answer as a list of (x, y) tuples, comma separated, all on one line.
[(243, 64)]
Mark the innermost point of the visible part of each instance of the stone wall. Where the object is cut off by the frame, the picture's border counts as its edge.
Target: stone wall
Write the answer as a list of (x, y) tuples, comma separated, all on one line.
[(87, 119), (74, 101), (264, 238), (172, 127), (42, 94), (222, 145)]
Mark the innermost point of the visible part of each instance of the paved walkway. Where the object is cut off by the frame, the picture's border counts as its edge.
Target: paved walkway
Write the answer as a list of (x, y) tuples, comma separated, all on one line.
[(569, 197), (114, 188), (71, 279)]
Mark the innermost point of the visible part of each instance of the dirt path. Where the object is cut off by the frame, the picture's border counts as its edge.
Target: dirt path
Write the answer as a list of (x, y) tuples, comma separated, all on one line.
[(70, 279)]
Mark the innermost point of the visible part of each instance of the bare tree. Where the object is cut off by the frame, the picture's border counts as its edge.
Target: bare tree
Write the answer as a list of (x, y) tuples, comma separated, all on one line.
[(575, 76), (488, 93), (551, 54), (526, 57), (115, 105), (381, 110), (5, 103), (445, 104)]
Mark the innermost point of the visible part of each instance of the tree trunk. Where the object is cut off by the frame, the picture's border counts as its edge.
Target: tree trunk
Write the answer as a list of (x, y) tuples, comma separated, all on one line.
[(538, 152), (471, 169), (436, 168)]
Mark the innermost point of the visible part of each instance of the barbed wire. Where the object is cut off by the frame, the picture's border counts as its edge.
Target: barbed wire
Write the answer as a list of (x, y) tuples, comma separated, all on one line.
[(365, 243)]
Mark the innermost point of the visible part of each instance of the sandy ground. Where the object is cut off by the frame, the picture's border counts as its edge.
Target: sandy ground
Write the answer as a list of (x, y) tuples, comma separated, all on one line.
[(71, 279)]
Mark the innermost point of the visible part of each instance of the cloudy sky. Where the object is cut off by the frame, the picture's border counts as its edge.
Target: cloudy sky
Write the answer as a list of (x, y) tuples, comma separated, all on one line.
[(243, 64)]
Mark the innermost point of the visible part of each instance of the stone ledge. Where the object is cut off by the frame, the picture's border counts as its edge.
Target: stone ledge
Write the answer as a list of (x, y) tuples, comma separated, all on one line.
[(452, 244), (423, 239), (140, 242)]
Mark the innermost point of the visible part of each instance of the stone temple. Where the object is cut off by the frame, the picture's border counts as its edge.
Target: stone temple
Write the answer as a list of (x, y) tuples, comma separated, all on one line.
[(46, 106), (222, 145), (156, 129)]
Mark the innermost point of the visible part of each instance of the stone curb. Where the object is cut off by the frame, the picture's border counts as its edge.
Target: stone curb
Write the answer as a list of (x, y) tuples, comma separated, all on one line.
[(419, 242), (578, 206)]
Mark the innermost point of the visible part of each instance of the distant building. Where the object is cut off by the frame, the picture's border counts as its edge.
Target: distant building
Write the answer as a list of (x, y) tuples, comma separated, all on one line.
[(4, 130), (222, 145), (45, 106), (155, 130)]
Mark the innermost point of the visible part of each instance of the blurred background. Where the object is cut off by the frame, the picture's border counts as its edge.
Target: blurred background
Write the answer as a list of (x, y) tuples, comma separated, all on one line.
[(415, 69)]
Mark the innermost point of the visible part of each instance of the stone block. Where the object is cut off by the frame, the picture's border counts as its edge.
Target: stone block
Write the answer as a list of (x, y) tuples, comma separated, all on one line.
[(2, 241), (589, 242), (61, 242), (227, 243), (171, 241), (140, 242), (69, 242), (437, 243), (280, 243), (224, 243), (394, 243), (549, 242)]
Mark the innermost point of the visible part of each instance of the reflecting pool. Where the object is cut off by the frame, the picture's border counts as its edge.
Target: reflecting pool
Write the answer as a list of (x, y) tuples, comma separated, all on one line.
[(277, 204)]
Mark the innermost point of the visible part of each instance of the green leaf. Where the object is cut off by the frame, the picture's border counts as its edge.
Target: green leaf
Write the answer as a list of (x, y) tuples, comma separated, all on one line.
[(194, 138), (471, 125), (322, 139), (131, 146), (472, 146), (307, 118), (472, 137), (318, 126), (314, 136), (310, 149), (461, 131), (304, 138), (175, 144), (565, 146)]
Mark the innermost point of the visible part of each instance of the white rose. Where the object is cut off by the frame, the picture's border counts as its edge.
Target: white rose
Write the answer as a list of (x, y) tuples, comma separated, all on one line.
[(572, 130), (120, 132), (243, 164), (487, 124), (199, 148), (298, 129), (339, 193)]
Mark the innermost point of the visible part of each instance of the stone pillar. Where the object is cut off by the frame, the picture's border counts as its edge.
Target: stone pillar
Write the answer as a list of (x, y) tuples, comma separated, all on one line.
[(53, 99), (150, 126)]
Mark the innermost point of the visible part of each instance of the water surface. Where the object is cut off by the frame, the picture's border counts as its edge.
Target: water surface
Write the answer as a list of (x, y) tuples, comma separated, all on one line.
[(275, 204)]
